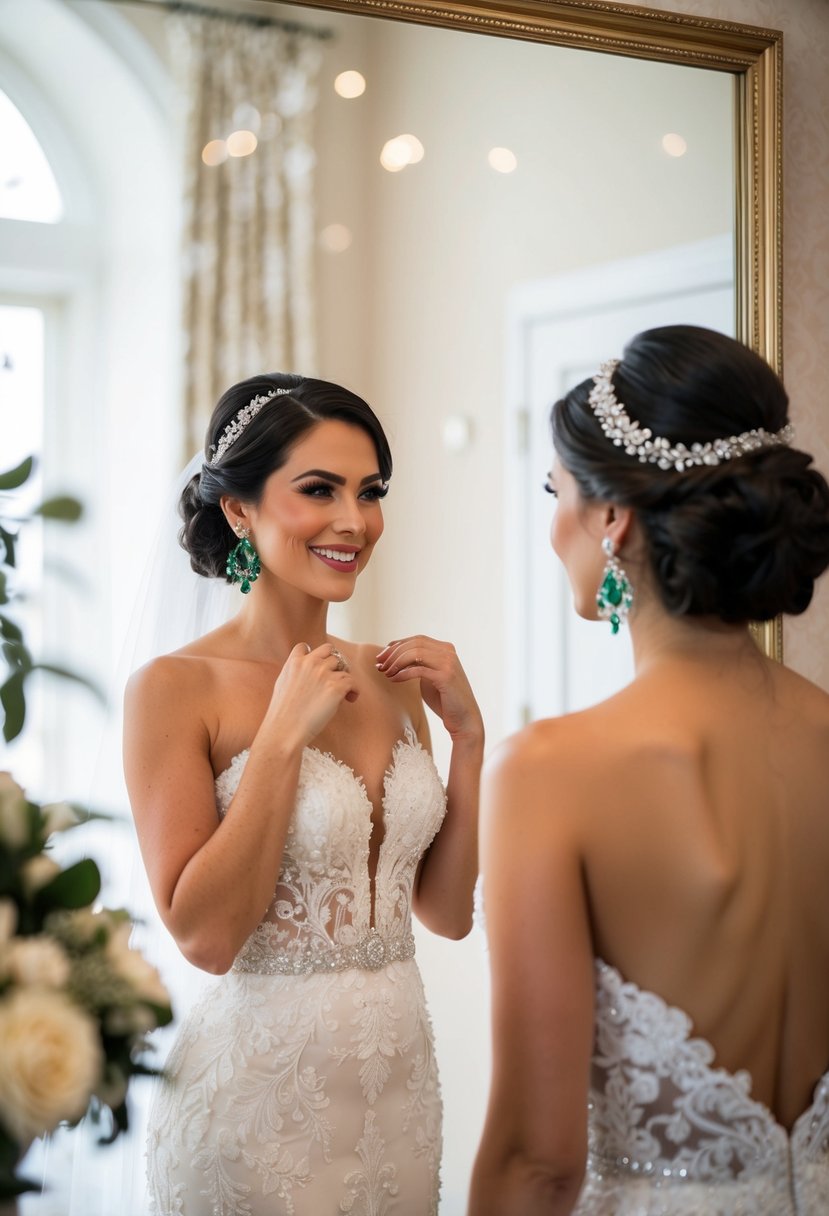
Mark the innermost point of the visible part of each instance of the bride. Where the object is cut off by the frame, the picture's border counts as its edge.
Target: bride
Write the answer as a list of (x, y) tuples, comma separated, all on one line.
[(290, 818), (655, 867)]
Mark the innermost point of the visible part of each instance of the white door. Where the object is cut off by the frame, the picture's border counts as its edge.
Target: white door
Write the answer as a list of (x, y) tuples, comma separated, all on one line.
[(559, 331)]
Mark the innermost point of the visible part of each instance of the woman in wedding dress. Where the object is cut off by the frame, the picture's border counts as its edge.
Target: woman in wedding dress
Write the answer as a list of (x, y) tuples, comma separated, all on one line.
[(290, 818), (655, 867)]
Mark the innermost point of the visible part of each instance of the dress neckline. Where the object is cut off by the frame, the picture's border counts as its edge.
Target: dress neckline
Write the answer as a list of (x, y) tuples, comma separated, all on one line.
[(408, 739), (692, 1040)]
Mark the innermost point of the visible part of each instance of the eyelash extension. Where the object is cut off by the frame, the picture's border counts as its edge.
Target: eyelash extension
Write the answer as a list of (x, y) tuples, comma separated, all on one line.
[(312, 488), (551, 489)]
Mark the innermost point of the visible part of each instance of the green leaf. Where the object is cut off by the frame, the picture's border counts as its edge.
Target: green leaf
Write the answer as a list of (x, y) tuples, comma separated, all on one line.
[(13, 478), (17, 656), (75, 887), (8, 539), (10, 631), (14, 705), (66, 674), (62, 507)]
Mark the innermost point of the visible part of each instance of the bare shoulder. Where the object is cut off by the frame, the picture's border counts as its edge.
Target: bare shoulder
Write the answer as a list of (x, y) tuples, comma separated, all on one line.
[(537, 776), (808, 697), (549, 745), (170, 698), (178, 676)]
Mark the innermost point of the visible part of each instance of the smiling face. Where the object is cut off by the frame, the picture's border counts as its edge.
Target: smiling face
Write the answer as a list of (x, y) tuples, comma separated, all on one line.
[(319, 516)]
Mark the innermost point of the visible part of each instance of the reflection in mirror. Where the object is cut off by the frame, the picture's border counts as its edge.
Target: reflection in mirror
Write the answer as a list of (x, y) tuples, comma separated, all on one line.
[(552, 203)]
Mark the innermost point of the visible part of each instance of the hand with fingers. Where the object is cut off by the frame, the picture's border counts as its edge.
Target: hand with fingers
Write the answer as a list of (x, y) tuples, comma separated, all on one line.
[(310, 689), (444, 686)]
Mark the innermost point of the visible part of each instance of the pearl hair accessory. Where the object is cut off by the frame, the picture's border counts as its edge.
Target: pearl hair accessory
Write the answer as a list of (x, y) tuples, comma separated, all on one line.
[(244, 417), (640, 441)]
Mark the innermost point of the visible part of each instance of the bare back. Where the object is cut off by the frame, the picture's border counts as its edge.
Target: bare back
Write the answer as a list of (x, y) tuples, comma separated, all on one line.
[(704, 821)]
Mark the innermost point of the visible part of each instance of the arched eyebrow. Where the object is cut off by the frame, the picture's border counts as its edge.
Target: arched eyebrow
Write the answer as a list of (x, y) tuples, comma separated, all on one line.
[(335, 477)]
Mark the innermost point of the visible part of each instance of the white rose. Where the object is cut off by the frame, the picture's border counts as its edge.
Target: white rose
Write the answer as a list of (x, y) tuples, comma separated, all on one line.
[(50, 1061), (59, 817), (14, 818), (131, 966), (38, 962), (37, 872)]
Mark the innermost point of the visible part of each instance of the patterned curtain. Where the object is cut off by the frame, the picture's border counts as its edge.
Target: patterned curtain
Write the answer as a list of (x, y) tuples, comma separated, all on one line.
[(248, 216)]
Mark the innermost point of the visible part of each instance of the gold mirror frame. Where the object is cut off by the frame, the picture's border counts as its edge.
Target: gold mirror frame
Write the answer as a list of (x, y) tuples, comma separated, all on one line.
[(752, 55)]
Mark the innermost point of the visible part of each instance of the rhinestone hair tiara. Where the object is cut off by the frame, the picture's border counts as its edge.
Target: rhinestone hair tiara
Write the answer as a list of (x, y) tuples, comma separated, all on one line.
[(243, 419), (640, 441)]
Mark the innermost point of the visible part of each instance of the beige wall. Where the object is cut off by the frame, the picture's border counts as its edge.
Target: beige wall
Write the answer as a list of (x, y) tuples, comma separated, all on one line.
[(805, 26), (413, 315)]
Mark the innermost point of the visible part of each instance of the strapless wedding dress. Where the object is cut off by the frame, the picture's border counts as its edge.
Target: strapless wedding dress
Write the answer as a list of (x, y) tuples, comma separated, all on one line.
[(670, 1134), (303, 1082)]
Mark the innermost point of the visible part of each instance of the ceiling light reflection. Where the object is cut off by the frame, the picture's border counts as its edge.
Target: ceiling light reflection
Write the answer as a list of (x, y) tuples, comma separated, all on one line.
[(241, 143), (401, 151), (350, 84), (674, 144), (502, 160), (214, 152)]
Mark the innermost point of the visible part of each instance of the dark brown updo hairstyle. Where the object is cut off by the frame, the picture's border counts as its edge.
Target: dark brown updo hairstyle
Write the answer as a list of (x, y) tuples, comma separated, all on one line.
[(742, 540), (263, 447)]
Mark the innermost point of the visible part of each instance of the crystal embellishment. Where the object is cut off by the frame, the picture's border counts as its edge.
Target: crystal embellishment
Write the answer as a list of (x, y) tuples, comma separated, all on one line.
[(370, 953), (243, 419), (640, 441)]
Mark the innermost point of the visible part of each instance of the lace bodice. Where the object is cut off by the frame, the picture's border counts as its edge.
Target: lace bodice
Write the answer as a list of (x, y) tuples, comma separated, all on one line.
[(325, 912), (304, 1080), (670, 1132)]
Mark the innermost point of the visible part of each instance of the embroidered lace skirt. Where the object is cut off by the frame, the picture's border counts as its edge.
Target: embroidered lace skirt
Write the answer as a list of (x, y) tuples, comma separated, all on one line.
[(307, 1095)]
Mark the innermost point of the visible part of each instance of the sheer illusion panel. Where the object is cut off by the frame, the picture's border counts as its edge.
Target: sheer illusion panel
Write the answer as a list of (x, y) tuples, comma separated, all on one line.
[(320, 918), (671, 1133)]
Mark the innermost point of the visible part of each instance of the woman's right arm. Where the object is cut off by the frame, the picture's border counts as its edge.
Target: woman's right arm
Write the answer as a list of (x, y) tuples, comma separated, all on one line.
[(212, 881)]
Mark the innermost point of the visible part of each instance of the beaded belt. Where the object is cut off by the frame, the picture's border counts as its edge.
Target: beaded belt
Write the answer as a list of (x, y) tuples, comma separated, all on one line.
[(617, 1168), (370, 953)]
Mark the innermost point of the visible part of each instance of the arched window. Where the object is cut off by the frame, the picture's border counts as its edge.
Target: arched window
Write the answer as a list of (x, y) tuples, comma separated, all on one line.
[(88, 341), (28, 189), (88, 355)]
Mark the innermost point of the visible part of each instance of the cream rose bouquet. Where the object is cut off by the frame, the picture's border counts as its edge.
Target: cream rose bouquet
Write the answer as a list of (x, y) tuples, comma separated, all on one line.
[(76, 1001)]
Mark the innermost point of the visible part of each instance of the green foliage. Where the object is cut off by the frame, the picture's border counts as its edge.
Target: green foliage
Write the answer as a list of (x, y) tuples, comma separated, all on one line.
[(66, 965), (89, 964), (19, 662)]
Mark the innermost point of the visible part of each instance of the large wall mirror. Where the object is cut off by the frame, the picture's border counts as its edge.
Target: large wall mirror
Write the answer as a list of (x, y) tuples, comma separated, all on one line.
[(579, 171)]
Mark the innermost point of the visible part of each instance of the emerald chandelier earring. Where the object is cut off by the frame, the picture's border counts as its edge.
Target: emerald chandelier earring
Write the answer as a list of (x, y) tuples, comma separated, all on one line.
[(615, 595), (243, 563)]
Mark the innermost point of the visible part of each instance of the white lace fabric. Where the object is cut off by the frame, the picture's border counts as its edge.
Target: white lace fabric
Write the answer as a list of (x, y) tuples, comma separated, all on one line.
[(316, 1091), (672, 1135)]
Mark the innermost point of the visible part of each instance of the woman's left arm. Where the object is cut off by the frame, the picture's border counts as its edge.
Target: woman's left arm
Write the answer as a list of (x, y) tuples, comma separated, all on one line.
[(447, 874), (532, 1154)]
